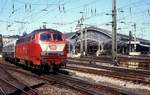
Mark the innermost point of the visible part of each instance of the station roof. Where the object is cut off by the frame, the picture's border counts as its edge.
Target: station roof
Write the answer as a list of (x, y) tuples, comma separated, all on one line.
[(102, 36)]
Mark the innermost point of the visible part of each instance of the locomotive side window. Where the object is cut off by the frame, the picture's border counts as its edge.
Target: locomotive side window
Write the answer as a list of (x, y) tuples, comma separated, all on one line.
[(45, 37), (33, 37), (57, 37)]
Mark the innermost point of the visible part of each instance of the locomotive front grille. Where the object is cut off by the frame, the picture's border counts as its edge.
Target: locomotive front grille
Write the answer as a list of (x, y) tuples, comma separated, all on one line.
[(52, 53)]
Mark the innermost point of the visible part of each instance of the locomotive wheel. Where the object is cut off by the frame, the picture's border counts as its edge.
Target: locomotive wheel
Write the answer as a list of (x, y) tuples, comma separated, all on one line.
[(56, 68), (29, 64), (42, 67), (49, 68), (6, 59)]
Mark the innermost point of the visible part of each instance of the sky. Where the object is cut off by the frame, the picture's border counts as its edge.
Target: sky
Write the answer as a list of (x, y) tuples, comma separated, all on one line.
[(18, 16)]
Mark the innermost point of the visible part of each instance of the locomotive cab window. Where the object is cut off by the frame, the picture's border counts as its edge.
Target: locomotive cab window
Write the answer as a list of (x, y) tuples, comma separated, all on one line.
[(57, 37), (45, 37)]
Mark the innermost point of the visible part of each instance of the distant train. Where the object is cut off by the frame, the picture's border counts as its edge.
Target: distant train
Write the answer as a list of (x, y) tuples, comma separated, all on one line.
[(43, 48)]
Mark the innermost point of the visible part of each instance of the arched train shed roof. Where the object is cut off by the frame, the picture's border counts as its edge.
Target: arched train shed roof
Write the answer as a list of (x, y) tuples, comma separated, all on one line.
[(102, 36)]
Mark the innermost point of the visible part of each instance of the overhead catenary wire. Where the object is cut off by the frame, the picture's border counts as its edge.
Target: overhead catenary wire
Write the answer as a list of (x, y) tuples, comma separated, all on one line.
[(92, 10), (41, 11), (3, 7), (38, 15)]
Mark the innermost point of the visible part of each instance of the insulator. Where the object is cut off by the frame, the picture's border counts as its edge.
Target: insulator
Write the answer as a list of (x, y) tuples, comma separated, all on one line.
[(30, 7), (13, 6), (13, 12), (63, 8), (130, 11), (25, 7), (148, 12), (95, 10), (91, 11), (59, 9)]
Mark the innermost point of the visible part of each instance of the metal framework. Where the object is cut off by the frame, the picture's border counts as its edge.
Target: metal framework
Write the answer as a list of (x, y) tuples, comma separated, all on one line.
[(93, 36)]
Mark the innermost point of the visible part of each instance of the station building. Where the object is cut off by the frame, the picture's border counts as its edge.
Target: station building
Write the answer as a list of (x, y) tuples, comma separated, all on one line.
[(98, 41)]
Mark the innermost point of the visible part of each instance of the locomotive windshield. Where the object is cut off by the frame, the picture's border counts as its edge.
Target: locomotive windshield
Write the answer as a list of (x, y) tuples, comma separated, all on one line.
[(57, 37), (45, 37), (51, 37)]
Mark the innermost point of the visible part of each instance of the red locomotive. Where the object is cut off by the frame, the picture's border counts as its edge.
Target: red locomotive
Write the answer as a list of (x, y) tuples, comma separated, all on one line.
[(43, 48)]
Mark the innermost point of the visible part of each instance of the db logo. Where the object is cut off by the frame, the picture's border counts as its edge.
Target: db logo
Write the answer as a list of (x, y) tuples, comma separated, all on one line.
[(53, 47)]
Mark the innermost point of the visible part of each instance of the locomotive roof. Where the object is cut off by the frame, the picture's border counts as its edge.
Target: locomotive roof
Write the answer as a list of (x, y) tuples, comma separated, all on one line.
[(39, 30), (42, 30)]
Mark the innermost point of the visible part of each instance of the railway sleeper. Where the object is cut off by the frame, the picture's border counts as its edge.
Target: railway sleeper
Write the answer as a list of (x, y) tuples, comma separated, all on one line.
[(28, 89)]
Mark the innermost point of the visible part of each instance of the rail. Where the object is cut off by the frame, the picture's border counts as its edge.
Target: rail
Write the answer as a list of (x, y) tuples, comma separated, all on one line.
[(19, 86), (119, 75), (77, 84)]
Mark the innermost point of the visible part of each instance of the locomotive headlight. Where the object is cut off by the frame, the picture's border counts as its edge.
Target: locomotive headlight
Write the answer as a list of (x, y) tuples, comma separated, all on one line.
[(43, 53)]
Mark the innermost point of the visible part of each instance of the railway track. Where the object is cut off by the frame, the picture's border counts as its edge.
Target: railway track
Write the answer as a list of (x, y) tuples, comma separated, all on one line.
[(88, 88), (18, 90), (10, 85), (112, 68), (121, 58), (136, 76), (77, 84)]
